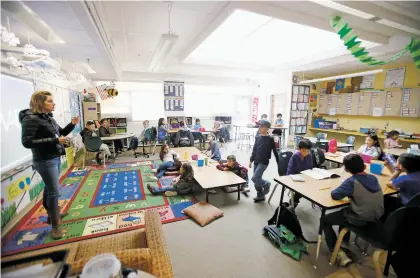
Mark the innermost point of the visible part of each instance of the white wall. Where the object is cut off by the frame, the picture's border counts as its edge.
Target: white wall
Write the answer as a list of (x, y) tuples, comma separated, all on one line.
[(144, 101)]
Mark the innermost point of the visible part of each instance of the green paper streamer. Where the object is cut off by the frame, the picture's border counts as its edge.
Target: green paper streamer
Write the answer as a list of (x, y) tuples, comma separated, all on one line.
[(353, 45)]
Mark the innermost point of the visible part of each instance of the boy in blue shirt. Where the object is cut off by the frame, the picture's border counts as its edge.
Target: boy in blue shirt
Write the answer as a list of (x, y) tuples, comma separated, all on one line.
[(261, 154), (366, 203), (408, 185), (300, 161)]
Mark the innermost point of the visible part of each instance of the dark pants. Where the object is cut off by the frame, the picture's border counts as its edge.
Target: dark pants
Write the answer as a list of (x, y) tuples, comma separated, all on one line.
[(391, 204), (198, 136), (118, 145), (163, 168), (49, 171), (334, 219)]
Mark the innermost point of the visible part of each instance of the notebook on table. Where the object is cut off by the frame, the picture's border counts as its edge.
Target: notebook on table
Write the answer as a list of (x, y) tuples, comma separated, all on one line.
[(297, 178), (319, 174)]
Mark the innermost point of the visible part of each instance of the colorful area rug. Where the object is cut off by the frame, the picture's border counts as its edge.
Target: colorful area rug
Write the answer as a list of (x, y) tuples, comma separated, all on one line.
[(99, 201)]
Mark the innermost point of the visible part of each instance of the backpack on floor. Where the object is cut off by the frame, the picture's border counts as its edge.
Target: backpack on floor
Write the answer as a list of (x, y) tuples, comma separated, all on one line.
[(134, 142), (288, 219), (286, 241)]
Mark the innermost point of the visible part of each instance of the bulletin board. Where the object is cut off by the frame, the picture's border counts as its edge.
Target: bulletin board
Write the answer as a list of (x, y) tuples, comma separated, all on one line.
[(173, 95), (410, 103), (299, 110)]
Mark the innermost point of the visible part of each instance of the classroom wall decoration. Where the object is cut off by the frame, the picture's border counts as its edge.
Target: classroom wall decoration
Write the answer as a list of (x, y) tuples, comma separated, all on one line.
[(313, 100), (173, 95), (299, 110), (339, 84), (395, 77), (255, 109), (353, 45), (368, 82)]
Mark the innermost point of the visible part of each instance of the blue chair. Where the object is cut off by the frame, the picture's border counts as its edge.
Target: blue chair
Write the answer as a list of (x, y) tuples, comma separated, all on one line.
[(350, 140), (321, 136)]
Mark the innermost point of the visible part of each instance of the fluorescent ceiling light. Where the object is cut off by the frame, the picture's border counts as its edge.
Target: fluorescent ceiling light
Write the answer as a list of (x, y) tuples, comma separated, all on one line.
[(250, 40), (343, 8), (342, 76), (166, 42), (87, 67), (399, 26)]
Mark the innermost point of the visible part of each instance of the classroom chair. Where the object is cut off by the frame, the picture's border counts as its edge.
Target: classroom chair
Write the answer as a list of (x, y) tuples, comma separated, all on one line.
[(350, 140), (322, 145), (284, 159), (414, 201), (384, 236), (92, 145), (297, 140), (246, 139), (321, 136)]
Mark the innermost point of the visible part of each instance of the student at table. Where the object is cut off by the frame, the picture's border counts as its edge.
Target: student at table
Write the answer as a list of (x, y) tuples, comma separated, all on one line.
[(279, 123), (196, 132), (162, 130), (213, 150), (89, 131), (408, 185), (105, 132), (371, 147), (261, 154), (392, 140), (366, 203), (300, 161)]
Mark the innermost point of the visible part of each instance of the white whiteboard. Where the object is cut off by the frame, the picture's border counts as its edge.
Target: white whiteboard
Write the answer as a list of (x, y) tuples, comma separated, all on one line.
[(15, 96)]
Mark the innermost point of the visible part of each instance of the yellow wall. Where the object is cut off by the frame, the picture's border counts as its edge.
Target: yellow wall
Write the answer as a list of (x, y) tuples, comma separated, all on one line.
[(411, 80)]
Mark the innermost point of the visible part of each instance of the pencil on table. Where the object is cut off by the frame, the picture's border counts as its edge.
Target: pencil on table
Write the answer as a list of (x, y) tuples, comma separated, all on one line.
[(325, 188)]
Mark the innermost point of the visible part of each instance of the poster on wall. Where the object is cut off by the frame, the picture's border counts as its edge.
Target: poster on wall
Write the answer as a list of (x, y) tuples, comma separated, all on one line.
[(255, 109), (395, 77), (173, 95), (339, 84), (76, 110), (367, 82), (313, 100)]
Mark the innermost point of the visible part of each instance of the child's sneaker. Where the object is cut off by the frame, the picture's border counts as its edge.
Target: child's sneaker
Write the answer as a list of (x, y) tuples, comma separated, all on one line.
[(342, 258), (154, 170), (153, 178), (170, 193), (150, 189), (259, 199)]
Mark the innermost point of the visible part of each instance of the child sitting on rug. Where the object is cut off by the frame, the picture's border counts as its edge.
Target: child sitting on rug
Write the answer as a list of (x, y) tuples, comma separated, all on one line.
[(181, 185), (168, 157), (236, 168)]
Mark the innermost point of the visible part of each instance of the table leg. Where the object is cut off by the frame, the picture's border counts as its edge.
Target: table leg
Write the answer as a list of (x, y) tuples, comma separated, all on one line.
[(283, 188), (321, 228), (239, 192), (207, 196), (113, 147)]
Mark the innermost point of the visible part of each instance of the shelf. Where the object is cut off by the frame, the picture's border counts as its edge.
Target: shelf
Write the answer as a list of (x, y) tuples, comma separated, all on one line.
[(356, 133)]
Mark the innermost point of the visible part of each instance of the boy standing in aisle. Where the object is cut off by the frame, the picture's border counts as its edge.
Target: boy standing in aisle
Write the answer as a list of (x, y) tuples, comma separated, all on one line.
[(261, 154)]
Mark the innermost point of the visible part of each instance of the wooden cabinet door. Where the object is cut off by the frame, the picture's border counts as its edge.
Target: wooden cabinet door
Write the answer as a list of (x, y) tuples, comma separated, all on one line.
[(410, 103), (393, 103), (341, 104), (322, 104), (378, 99), (364, 107)]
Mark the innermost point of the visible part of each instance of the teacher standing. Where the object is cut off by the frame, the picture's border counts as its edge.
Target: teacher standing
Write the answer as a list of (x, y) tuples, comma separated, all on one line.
[(42, 134)]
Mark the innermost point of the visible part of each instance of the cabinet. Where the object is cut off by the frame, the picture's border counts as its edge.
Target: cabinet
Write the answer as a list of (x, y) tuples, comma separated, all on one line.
[(322, 104), (378, 99), (91, 111), (393, 103), (331, 102), (341, 104), (364, 107), (410, 103)]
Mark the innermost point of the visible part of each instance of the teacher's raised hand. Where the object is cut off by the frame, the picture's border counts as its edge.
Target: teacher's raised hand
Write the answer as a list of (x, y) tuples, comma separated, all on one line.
[(75, 120)]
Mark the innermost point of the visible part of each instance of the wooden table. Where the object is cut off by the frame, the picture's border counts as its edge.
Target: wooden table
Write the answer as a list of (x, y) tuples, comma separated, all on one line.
[(319, 193), (118, 136), (209, 177), (396, 152), (340, 145)]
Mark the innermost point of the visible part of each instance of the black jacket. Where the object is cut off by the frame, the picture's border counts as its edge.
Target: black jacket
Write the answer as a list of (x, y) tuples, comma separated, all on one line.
[(104, 132), (261, 153), (40, 133)]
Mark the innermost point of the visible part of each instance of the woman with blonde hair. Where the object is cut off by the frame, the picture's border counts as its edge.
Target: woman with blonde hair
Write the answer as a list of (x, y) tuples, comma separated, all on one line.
[(42, 134)]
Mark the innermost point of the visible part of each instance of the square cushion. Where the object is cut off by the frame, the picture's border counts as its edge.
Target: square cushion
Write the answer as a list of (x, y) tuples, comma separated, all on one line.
[(203, 213)]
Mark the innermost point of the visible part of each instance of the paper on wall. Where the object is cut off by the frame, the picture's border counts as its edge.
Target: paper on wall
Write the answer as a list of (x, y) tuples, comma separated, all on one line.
[(332, 111), (377, 111), (294, 106), (295, 97)]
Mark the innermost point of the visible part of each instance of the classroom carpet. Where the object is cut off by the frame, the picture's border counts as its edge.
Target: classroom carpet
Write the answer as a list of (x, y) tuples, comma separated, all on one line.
[(99, 201)]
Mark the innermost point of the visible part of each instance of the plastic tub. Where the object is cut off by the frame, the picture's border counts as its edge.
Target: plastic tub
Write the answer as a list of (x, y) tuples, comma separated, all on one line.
[(366, 158), (194, 157), (200, 162), (376, 168)]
